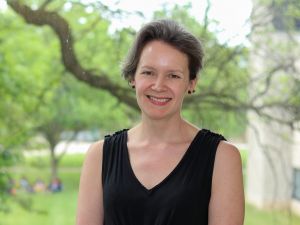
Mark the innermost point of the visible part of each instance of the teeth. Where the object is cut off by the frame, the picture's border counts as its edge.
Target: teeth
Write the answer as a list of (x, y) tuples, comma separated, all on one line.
[(159, 99)]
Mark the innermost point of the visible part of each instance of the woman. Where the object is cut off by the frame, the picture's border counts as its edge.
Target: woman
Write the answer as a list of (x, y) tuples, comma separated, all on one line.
[(164, 170)]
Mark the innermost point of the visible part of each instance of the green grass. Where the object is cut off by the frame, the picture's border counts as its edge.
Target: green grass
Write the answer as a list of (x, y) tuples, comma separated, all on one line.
[(254, 216), (46, 208), (74, 160), (60, 208), (71, 160)]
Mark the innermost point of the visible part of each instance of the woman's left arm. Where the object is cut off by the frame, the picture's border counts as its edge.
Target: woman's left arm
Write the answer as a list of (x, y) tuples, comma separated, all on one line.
[(227, 203)]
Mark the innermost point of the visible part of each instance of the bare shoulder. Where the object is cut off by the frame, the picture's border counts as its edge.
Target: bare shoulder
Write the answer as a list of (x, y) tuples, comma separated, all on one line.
[(90, 196), (228, 153), (91, 169), (94, 152), (95, 148), (228, 166), (227, 192)]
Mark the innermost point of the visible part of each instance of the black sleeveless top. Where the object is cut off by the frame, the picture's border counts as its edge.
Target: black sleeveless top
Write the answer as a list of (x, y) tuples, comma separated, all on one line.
[(182, 198)]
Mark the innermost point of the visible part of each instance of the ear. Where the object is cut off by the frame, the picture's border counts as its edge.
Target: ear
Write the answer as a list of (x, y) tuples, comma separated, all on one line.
[(192, 84), (132, 82)]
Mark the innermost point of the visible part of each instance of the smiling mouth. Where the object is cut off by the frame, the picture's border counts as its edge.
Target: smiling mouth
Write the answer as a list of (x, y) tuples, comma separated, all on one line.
[(159, 100)]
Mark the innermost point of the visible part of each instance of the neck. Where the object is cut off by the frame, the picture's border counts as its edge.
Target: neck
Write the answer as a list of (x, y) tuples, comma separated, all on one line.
[(174, 129)]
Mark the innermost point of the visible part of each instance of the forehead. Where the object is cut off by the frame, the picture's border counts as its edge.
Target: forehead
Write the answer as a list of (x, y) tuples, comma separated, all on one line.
[(159, 53)]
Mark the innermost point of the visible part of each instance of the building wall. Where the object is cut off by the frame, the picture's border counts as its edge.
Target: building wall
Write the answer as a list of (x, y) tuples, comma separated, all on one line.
[(274, 148)]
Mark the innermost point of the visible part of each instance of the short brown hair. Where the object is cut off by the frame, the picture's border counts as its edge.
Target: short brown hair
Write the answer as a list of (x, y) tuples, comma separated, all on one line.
[(171, 33)]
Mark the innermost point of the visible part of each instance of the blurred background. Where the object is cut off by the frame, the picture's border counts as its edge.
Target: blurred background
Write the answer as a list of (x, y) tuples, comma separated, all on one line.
[(61, 90)]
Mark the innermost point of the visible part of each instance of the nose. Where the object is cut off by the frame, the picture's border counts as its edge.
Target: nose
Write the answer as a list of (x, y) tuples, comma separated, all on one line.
[(158, 84)]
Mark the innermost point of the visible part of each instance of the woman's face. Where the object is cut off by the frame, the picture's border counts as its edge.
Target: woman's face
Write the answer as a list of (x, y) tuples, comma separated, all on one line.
[(162, 80)]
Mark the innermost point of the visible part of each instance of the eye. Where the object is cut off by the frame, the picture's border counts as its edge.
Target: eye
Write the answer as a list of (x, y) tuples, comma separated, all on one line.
[(174, 76), (147, 72)]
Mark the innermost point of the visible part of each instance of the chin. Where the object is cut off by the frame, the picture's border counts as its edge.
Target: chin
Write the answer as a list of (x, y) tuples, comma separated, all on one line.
[(154, 112)]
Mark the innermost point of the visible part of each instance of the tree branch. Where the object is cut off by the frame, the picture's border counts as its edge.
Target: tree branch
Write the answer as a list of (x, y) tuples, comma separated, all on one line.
[(60, 26), (44, 5), (207, 9), (219, 99)]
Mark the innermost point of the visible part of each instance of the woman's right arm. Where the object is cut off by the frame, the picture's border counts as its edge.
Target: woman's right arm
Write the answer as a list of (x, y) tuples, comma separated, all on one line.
[(90, 196)]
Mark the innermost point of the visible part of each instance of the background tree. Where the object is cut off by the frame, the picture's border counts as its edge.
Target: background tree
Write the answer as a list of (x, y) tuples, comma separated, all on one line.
[(216, 93), (41, 98), (273, 130)]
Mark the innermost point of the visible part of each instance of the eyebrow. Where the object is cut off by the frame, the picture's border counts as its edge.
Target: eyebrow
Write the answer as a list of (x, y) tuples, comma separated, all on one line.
[(152, 68)]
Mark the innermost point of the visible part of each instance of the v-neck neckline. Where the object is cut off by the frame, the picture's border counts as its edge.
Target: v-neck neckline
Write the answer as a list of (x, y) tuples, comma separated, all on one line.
[(164, 180)]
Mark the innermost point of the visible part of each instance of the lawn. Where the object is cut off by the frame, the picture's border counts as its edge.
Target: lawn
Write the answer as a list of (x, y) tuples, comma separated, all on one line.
[(46, 208), (60, 208)]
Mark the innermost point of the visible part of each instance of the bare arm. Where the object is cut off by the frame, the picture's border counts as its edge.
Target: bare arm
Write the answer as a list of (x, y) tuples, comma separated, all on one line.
[(90, 197), (227, 204)]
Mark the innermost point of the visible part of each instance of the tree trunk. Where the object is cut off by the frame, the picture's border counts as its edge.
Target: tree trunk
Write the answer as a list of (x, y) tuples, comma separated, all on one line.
[(53, 163)]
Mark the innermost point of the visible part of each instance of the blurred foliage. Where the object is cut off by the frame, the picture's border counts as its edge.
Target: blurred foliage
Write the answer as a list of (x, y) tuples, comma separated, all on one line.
[(7, 158), (275, 41), (36, 88), (38, 97)]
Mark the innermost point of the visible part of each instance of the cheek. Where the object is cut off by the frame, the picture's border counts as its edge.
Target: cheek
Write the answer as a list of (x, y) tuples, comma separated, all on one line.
[(139, 91), (141, 85), (181, 89)]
